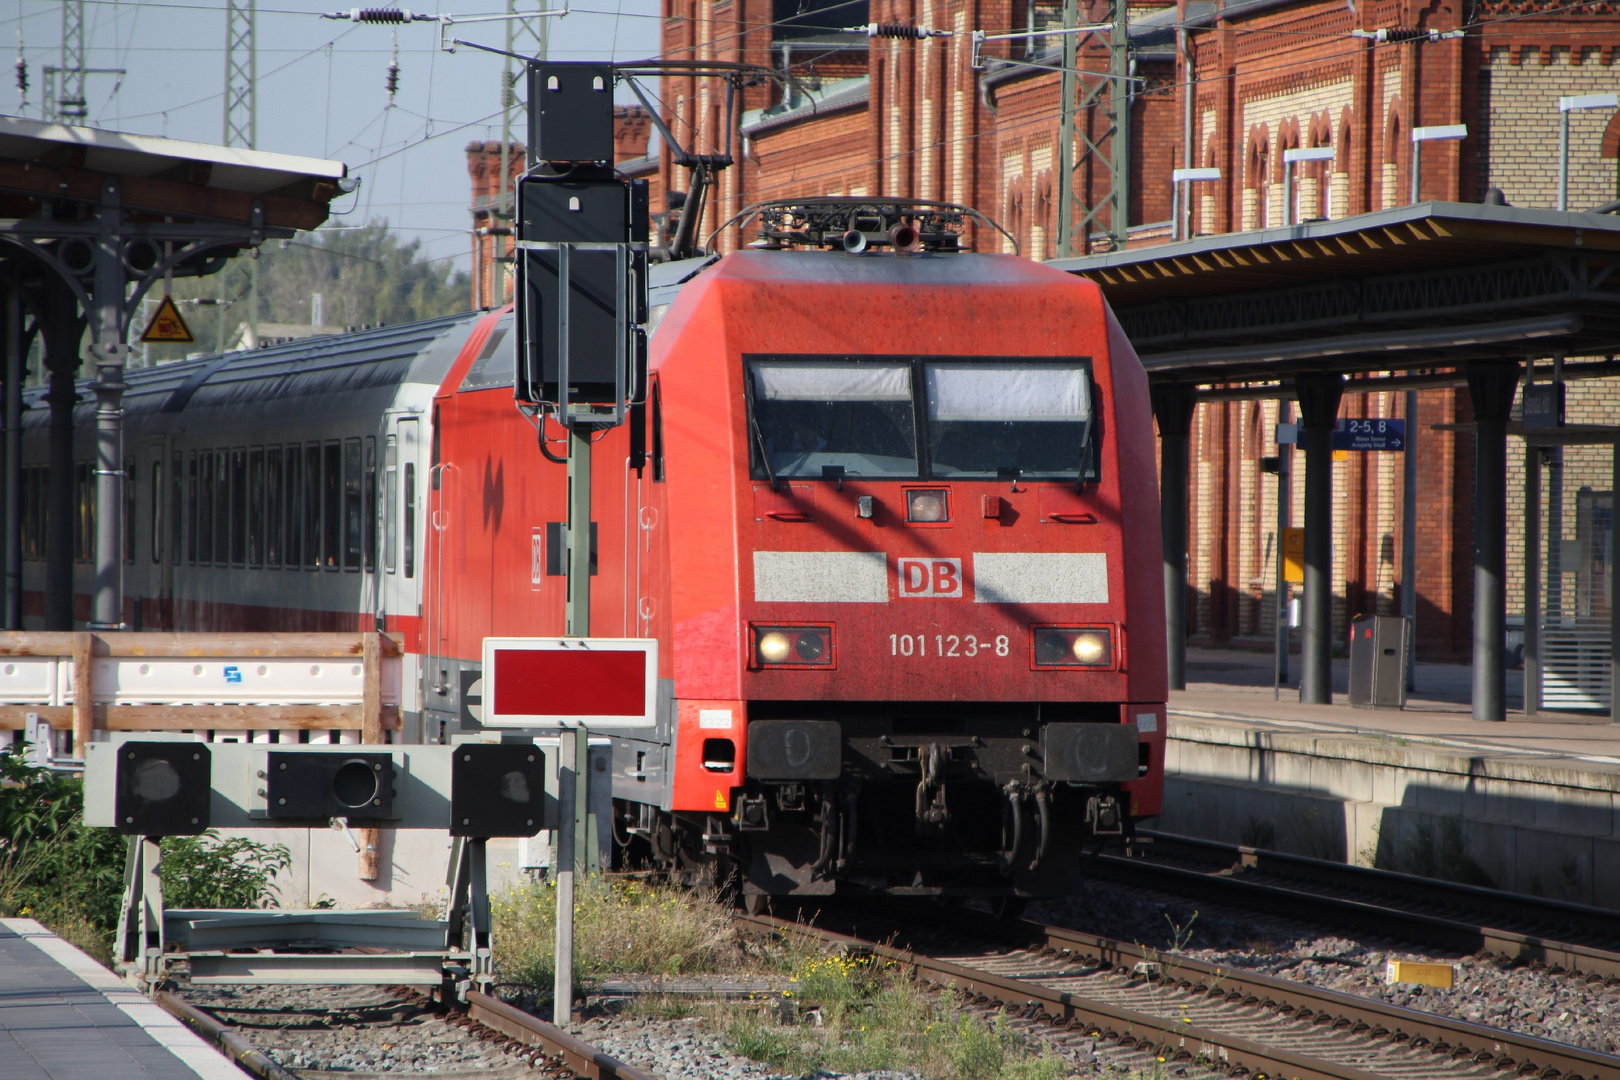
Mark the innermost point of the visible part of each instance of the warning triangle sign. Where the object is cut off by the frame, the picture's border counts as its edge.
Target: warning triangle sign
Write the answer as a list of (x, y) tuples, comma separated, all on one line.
[(167, 327)]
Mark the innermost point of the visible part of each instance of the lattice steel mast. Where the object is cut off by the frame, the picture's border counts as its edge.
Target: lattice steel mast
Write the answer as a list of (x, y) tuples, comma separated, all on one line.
[(1109, 150), (241, 129), (527, 37)]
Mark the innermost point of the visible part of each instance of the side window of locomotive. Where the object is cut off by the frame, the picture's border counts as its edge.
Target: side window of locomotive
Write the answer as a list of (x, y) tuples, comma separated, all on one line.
[(274, 515), (312, 506), (820, 418), (986, 419)]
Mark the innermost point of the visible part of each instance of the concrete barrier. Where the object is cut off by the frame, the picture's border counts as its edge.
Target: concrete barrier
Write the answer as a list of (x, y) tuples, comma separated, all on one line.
[(1540, 825)]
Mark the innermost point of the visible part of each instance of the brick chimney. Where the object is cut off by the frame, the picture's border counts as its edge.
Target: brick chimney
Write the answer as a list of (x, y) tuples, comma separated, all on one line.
[(632, 128), (491, 283)]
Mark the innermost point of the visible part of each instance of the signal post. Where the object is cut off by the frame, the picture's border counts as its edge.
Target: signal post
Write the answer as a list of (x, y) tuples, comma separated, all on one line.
[(581, 303)]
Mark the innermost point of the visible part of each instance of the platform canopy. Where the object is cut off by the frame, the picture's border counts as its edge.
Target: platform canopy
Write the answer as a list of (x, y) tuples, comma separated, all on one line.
[(90, 221), (1429, 285), (1462, 292)]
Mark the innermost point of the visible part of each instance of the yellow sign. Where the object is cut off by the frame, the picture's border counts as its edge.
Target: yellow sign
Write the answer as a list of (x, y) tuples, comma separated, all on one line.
[(1294, 555), (167, 327)]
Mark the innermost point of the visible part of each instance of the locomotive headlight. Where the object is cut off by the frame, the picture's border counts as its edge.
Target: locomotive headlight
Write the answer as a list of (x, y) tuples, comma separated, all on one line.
[(1076, 646), (773, 647), (927, 507), (793, 646), (1051, 647), (1091, 647)]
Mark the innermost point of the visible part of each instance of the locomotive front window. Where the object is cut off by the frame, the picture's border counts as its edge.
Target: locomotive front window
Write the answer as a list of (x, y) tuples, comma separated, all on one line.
[(988, 419), (853, 419)]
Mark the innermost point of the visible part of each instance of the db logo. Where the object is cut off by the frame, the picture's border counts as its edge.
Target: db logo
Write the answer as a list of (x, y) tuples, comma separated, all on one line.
[(929, 577)]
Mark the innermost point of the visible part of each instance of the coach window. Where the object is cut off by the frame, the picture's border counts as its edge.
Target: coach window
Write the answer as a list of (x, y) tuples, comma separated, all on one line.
[(177, 506), (354, 526), (369, 508), (312, 505), (240, 502), (409, 524), (332, 507), (832, 417), (255, 507), (292, 462), (390, 501), (132, 499), (158, 493), (222, 507), (986, 419), (199, 483), (273, 516)]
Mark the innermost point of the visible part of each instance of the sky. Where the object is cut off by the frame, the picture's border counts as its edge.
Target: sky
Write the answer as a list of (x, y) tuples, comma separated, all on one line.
[(321, 88)]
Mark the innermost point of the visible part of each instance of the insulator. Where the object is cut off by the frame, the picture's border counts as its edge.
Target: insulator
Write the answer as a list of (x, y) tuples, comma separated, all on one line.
[(381, 15), (22, 77), (393, 79), (895, 30)]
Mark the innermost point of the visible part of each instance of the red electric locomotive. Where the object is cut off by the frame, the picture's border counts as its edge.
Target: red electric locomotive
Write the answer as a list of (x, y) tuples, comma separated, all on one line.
[(891, 515), (896, 530)]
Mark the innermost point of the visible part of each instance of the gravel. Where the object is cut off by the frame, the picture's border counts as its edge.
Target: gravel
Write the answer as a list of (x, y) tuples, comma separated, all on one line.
[(354, 1033), (1488, 991)]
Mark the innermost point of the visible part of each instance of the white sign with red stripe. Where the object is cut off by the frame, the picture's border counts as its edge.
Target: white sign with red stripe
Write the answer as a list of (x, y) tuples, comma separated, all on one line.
[(570, 682)]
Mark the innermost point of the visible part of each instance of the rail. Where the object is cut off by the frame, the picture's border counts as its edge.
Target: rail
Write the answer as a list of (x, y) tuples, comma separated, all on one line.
[(1440, 913), (579, 1057), (1174, 1033)]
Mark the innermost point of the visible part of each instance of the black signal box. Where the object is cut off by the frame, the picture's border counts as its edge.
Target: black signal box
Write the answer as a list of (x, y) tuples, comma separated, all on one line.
[(163, 788), (570, 112), (312, 784), (580, 207), (497, 789)]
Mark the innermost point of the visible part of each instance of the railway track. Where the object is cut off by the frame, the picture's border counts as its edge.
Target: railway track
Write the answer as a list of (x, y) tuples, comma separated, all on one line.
[(519, 1044), (1463, 918), (1201, 1017)]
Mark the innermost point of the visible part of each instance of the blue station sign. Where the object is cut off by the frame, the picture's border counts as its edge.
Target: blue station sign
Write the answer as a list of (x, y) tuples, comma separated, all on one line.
[(1369, 435)]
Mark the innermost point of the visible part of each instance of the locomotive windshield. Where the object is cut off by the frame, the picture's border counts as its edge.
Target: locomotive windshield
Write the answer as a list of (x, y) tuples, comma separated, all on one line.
[(988, 418), (977, 419), (815, 415)]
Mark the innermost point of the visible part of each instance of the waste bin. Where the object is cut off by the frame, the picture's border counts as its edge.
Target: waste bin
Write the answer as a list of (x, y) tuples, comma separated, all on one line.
[(1378, 661)]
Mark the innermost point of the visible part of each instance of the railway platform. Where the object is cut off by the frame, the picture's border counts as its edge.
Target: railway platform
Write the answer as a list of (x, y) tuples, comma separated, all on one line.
[(1530, 805), (65, 1017)]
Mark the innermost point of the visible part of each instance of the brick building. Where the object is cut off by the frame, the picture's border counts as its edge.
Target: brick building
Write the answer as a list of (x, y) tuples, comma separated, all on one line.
[(1228, 85)]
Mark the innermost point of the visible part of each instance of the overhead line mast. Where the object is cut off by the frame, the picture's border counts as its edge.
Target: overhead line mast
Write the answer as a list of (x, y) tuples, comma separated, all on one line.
[(241, 129)]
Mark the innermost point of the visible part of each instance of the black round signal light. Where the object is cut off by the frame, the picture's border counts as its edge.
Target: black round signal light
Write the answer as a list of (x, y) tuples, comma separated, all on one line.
[(810, 647)]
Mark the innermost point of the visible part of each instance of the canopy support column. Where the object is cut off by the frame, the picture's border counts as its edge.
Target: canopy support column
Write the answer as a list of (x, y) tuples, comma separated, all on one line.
[(1173, 408), (1319, 396), (1491, 386)]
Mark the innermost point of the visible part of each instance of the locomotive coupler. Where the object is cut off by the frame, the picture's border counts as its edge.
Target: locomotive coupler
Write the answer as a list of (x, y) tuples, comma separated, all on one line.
[(932, 813)]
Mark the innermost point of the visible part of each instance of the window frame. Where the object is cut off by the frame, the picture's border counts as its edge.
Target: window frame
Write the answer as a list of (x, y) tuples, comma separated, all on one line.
[(1088, 471)]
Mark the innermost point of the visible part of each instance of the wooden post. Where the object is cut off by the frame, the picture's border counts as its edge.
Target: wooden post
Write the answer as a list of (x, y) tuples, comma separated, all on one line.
[(371, 731), (84, 706)]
